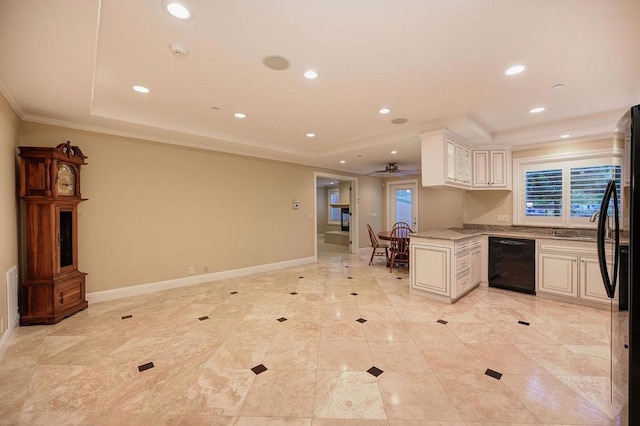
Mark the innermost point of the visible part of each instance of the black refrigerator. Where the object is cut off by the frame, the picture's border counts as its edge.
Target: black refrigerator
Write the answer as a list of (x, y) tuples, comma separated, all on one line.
[(625, 323)]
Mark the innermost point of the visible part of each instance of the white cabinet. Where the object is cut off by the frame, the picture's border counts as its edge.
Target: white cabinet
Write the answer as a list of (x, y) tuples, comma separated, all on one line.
[(570, 269), (445, 269), (491, 169), (446, 160)]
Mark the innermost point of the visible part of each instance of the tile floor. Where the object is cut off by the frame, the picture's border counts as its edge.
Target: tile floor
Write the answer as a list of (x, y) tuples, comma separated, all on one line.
[(337, 342)]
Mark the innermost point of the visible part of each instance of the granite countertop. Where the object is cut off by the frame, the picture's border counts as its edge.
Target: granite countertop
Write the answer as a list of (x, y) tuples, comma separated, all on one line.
[(455, 234)]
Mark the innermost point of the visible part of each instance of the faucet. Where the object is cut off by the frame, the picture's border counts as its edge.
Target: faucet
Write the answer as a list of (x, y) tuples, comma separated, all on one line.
[(594, 216)]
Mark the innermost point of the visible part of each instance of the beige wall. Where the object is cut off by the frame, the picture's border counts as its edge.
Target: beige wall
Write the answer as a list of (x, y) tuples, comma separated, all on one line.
[(321, 203), (156, 209), (483, 207), (9, 137)]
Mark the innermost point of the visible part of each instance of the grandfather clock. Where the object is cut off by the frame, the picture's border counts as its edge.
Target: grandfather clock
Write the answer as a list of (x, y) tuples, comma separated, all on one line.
[(53, 288)]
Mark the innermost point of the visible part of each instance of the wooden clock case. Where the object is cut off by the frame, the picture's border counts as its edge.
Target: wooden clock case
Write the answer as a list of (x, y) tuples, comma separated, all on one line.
[(53, 288)]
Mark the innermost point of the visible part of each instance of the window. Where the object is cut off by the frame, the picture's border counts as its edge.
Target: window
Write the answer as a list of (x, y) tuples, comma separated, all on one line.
[(563, 192), (333, 198)]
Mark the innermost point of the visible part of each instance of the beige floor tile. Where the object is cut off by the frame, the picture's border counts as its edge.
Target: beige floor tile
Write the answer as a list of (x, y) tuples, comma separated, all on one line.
[(398, 356), (416, 396), (272, 421), (563, 362), (386, 331), (430, 332), (451, 357), (347, 394), (290, 353), (480, 398), (506, 358), (344, 356), (281, 393), (344, 331), (552, 401)]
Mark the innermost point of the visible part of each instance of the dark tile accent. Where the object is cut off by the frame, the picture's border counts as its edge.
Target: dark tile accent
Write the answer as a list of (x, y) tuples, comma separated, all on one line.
[(300, 277), (398, 278), (349, 278), (441, 321), (146, 366), (375, 371), (346, 266), (293, 293), (203, 318), (361, 320), (282, 319), (493, 374), (626, 346), (234, 292), (523, 322), (127, 316), (354, 294), (259, 369)]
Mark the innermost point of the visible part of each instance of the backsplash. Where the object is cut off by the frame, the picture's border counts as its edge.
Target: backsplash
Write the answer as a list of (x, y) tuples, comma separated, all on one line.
[(551, 231)]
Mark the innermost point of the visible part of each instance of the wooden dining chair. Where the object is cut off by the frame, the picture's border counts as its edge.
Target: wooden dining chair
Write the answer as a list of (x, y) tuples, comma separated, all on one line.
[(399, 245), (378, 249)]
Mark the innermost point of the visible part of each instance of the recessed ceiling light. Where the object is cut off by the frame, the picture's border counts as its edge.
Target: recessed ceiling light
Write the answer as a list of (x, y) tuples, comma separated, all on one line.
[(516, 69), (311, 75), (178, 10), (394, 152), (342, 161), (384, 110), (311, 135), (239, 115), (140, 89), (565, 136), (536, 110)]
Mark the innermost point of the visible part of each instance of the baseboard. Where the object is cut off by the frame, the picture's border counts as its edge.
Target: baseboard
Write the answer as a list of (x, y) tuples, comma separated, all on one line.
[(6, 338), (119, 293)]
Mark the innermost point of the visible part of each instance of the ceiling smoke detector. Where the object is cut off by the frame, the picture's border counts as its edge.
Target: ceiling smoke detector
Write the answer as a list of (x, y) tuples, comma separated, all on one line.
[(178, 51)]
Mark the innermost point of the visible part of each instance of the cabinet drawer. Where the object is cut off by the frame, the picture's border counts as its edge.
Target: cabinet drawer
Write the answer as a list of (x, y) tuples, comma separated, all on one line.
[(462, 284), (462, 261), (68, 294)]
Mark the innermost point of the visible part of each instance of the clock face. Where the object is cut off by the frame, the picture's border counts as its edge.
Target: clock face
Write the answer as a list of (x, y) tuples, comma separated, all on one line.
[(66, 180)]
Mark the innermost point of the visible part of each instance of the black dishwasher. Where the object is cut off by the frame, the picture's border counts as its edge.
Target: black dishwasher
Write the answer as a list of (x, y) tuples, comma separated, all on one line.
[(512, 264)]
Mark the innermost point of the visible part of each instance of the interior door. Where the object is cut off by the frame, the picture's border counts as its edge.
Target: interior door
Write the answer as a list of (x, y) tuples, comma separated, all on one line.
[(403, 203)]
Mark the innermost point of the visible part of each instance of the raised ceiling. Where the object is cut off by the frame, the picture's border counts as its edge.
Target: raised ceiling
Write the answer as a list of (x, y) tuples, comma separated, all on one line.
[(435, 63)]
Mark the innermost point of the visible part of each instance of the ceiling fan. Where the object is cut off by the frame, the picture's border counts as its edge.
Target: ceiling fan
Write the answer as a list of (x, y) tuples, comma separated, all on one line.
[(392, 169)]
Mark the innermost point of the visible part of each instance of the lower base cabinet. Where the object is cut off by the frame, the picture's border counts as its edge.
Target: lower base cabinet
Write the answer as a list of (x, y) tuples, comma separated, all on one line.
[(571, 270), (445, 269)]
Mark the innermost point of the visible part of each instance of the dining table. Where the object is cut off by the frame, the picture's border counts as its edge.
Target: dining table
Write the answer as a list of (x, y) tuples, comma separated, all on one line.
[(386, 236)]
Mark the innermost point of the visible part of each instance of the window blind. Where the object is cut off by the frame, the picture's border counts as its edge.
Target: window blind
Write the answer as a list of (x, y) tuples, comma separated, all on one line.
[(588, 185), (543, 193)]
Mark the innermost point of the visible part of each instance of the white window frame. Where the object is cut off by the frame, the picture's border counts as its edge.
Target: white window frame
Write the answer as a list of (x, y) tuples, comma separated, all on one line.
[(329, 208), (564, 162)]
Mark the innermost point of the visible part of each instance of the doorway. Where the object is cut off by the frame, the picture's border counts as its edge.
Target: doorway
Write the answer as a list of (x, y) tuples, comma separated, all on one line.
[(348, 196), (402, 203)]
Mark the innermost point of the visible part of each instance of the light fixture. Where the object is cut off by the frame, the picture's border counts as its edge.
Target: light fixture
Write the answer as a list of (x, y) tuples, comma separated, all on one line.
[(515, 69), (177, 10), (384, 110), (311, 135), (394, 152), (342, 161), (140, 89), (536, 110), (565, 136), (239, 115), (311, 75)]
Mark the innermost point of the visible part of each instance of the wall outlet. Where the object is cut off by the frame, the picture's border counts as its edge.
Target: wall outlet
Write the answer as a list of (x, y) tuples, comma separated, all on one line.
[(502, 218), (191, 270), (205, 269)]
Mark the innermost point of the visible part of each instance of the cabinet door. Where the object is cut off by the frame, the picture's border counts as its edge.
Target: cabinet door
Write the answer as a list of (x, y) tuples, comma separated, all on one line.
[(66, 251), (591, 285), (498, 169), (431, 269), (451, 161), (558, 274), (476, 266), (459, 164), (466, 166), (481, 169)]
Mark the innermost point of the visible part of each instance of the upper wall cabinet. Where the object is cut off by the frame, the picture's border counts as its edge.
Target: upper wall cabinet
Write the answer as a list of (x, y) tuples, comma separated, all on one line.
[(491, 169), (446, 160)]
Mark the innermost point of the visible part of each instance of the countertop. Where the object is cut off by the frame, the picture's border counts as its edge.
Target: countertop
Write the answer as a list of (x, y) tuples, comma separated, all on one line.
[(455, 234)]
